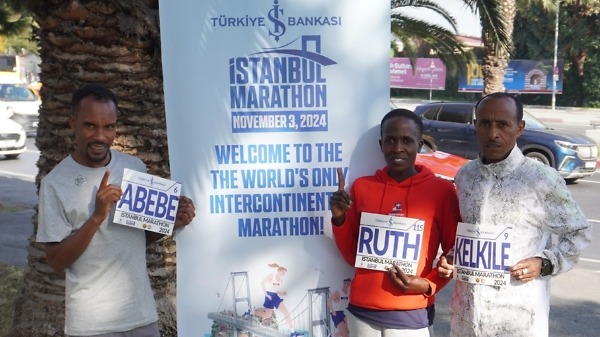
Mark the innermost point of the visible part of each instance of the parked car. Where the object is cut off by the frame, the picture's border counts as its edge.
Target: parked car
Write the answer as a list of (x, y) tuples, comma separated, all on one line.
[(12, 138), (20, 103), (449, 127), (444, 165)]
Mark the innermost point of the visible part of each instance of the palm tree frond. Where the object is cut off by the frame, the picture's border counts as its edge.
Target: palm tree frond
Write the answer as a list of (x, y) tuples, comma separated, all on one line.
[(424, 4)]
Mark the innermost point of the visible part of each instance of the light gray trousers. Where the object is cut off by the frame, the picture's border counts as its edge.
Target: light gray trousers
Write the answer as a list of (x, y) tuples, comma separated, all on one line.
[(360, 328)]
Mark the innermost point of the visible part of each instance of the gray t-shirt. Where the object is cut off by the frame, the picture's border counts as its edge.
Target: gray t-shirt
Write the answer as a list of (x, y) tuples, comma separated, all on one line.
[(107, 287)]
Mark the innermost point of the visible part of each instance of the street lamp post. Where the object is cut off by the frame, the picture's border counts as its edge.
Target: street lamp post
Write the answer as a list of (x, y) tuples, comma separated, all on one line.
[(555, 68), (432, 68)]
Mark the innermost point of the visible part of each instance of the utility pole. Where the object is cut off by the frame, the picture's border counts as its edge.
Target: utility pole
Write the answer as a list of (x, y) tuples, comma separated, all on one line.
[(431, 70), (555, 68)]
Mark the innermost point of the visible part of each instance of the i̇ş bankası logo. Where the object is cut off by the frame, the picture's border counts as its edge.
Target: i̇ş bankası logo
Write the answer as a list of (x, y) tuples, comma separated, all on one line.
[(281, 88)]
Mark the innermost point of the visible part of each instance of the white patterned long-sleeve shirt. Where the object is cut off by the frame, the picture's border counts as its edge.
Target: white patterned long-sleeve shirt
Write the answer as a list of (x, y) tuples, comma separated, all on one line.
[(534, 200)]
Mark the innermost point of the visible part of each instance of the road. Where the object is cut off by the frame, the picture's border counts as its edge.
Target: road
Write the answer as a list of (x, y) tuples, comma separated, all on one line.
[(24, 167), (575, 301)]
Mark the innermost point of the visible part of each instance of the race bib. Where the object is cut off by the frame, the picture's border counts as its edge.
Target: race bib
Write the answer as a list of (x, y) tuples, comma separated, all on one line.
[(148, 202), (385, 240), (482, 254)]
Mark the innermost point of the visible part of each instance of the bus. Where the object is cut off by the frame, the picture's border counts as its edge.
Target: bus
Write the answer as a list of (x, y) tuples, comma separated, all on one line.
[(10, 69)]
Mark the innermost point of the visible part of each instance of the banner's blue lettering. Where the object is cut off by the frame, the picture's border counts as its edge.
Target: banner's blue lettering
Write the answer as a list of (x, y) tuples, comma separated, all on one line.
[(224, 178), (312, 72), (276, 100), (253, 154), (329, 152), (237, 97), (324, 177), (294, 70), (269, 178), (280, 70), (266, 73), (304, 226), (315, 21), (269, 202), (303, 153), (252, 99), (241, 74), (280, 226), (253, 64), (303, 180), (278, 96), (276, 70)]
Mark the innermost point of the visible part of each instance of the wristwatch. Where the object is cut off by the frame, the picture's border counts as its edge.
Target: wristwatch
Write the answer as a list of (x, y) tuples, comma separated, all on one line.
[(547, 267)]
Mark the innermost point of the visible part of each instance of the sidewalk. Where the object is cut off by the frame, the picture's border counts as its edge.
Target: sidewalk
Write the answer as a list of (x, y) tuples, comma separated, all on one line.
[(566, 115)]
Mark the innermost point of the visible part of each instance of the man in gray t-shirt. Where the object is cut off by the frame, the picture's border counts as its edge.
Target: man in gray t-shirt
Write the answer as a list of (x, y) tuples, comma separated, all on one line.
[(107, 286)]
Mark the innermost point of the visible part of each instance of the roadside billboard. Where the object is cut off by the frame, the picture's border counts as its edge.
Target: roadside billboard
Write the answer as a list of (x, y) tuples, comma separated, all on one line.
[(429, 73), (265, 99), (521, 76)]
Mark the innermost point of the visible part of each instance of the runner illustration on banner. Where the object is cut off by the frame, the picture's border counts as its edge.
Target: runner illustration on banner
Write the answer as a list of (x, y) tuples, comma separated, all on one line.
[(271, 286), (337, 302)]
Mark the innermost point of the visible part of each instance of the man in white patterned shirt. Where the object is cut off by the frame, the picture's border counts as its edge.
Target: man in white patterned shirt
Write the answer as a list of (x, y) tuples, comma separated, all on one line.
[(504, 188)]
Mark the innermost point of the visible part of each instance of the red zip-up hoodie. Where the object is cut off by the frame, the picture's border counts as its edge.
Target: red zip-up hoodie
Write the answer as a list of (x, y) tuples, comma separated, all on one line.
[(422, 196)]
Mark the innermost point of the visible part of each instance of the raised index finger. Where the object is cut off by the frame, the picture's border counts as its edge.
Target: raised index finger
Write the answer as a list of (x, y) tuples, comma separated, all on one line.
[(341, 181), (104, 181)]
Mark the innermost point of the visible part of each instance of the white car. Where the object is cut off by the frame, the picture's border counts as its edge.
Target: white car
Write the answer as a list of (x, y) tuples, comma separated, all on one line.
[(21, 104), (12, 138)]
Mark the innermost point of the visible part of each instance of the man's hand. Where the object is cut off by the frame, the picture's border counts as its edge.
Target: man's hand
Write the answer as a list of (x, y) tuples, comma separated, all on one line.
[(340, 201), (527, 270), (185, 212), (106, 197), (445, 266), (409, 284)]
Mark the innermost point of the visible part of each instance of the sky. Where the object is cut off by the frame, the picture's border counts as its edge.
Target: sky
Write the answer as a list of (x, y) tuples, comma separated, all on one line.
[(467, 22)]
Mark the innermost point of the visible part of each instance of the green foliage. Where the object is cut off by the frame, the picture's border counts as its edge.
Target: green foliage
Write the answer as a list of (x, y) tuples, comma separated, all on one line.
[(418, 37), (13, 18), (15, 27), (534, 34), (493, 23), (591, 79), (11, 278), (578, 42)]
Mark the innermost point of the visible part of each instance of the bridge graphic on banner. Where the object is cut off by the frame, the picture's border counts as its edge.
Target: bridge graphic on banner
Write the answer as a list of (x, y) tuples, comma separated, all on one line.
[(310, 316)]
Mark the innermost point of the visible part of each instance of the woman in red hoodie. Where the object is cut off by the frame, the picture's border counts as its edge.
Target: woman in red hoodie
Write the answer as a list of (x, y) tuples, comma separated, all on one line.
[(394, 303)]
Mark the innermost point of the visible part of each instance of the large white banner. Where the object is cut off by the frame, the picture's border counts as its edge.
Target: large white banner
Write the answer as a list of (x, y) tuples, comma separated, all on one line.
[(264, 100)]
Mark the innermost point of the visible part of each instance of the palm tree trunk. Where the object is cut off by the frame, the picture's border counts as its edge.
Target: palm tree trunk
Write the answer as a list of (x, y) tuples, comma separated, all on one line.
[(115, 43), (495, 61)]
